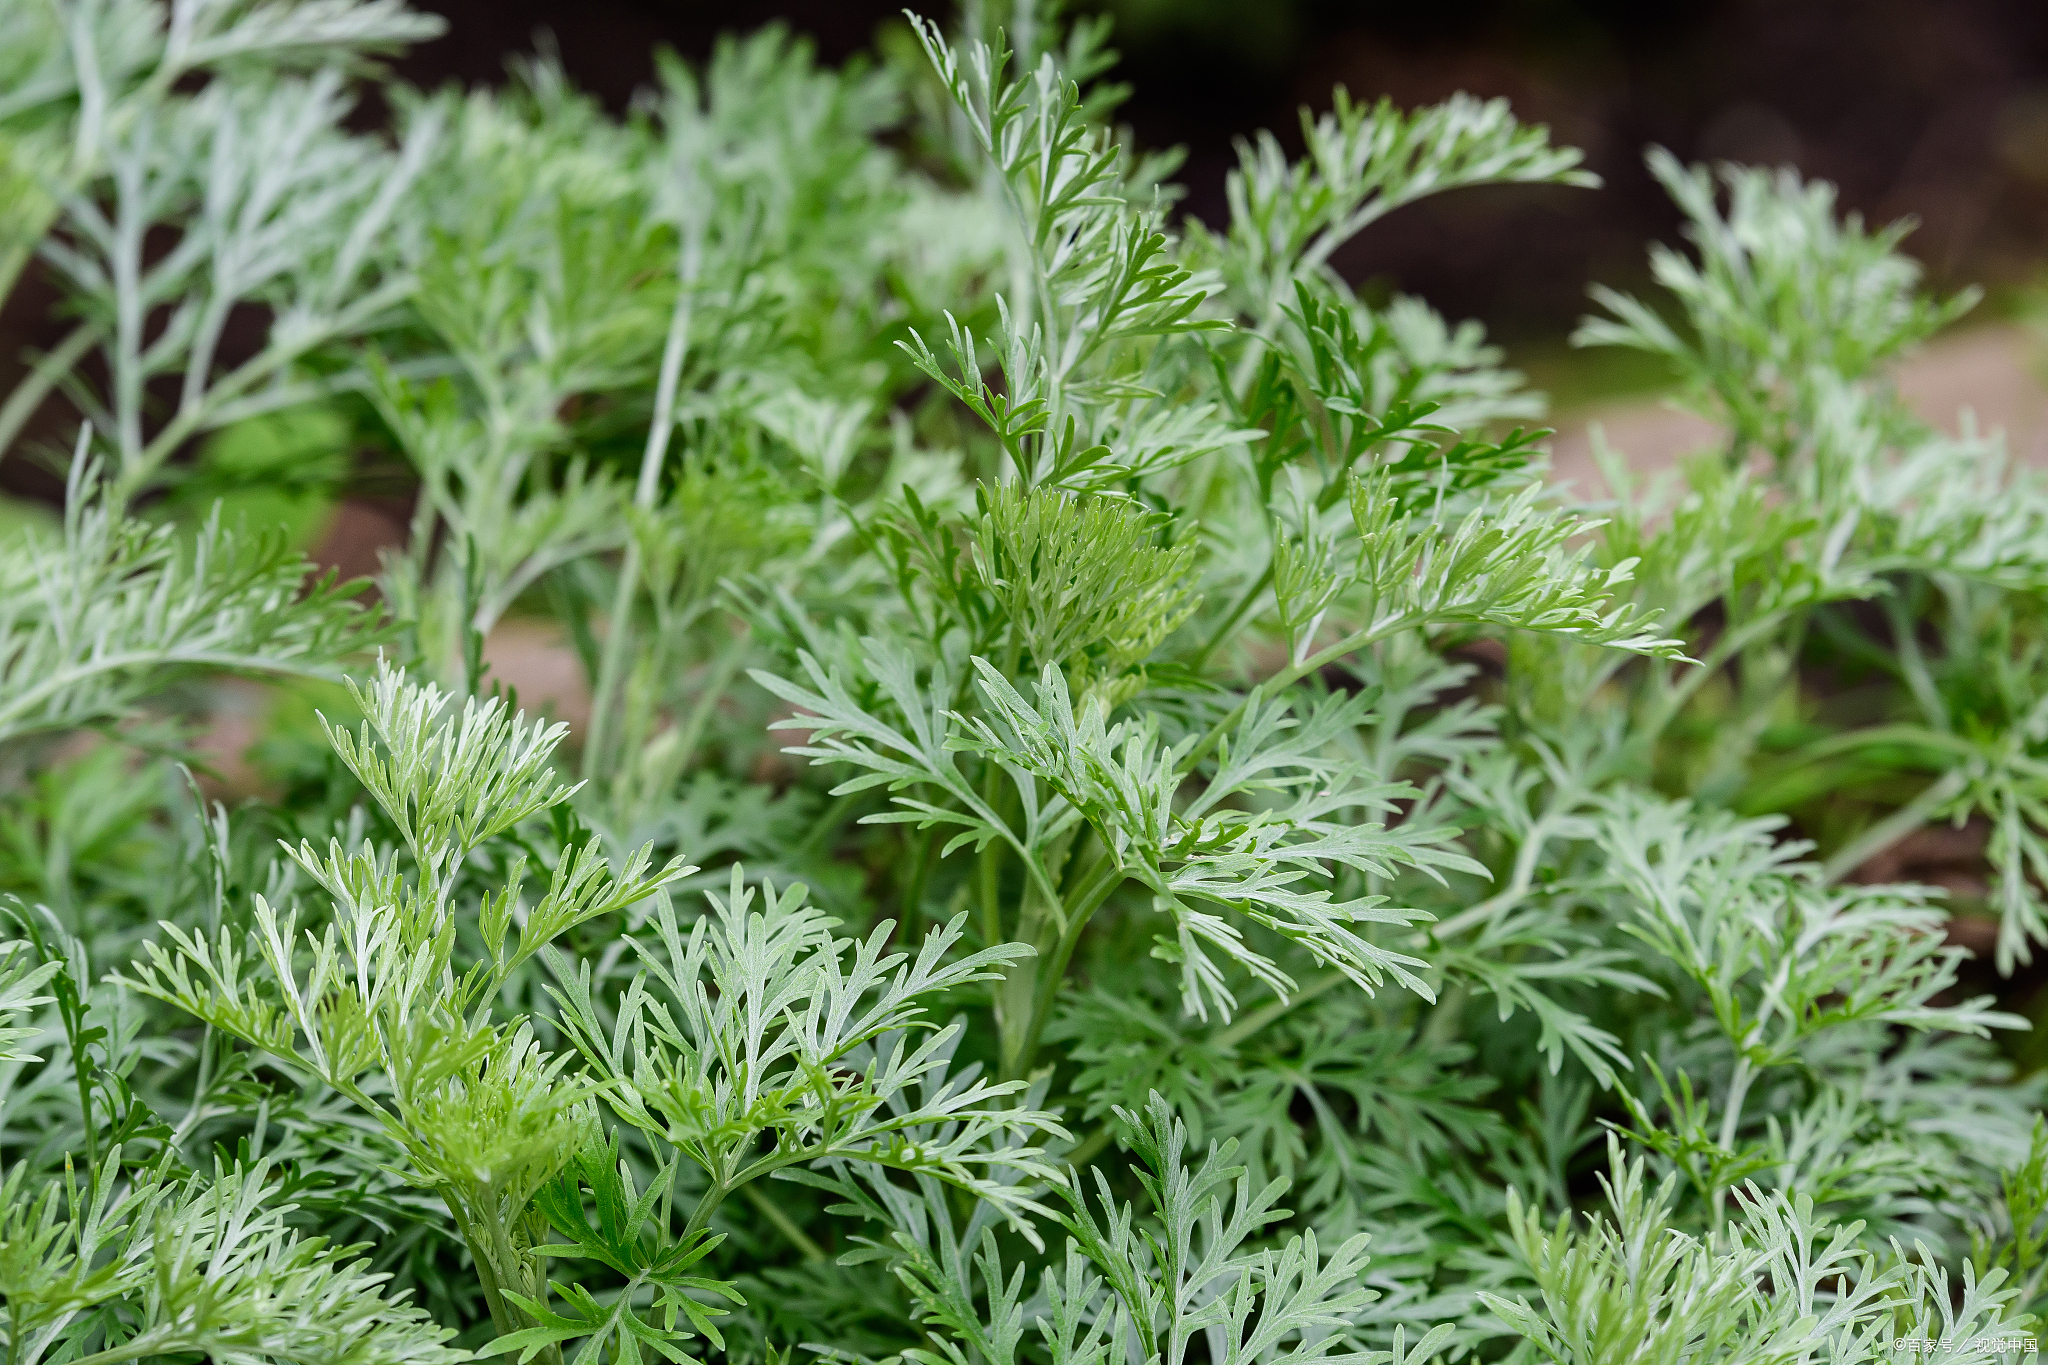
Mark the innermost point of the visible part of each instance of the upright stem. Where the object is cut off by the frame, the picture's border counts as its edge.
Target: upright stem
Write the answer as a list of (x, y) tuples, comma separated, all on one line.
[(649, 484), (1102, 875), (927, 845), (1013, 995), (1673, 698), (486, 1271), (720, 674), (490, 1248), (987, 887), (1912, 663), (1731, 1117), (1738, 1091)]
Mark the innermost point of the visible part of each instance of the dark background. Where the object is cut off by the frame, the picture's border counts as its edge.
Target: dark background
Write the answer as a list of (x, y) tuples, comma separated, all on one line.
[(1932, 108)]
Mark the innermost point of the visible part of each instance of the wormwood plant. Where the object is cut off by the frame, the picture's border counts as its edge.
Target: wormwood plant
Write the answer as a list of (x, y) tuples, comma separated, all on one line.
[(1122, 817)]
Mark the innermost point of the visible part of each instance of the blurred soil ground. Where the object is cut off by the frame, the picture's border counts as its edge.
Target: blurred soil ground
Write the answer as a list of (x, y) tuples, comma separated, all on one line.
[(1992, 378)]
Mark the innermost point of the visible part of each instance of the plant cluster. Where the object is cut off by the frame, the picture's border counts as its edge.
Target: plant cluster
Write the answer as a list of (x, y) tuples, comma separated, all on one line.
[(1123, 818)]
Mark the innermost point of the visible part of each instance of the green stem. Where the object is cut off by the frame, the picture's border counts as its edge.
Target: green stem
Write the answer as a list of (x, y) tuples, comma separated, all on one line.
[(1442, 1025), (81, 1071), (1507, 897), (1913, 665), (986, 888), (720, 677), (1674, 696), (988, 877), (502, 1313), (828, 824), (1731, 1118), (1103, 875), (1895, 826), (1274, 1010), (48, 372), (1286, 677), (1236, 613), (196, 1115), (784, 1224), (1042, 300), (1848, 741), (700, 1216), (920, 875), (148, 1344), (192, 418), (1090, 1147), (497, 1264), (674, 349)]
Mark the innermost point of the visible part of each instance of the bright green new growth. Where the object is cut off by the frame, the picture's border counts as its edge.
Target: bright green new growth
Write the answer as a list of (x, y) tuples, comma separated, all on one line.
[(1256, 872)]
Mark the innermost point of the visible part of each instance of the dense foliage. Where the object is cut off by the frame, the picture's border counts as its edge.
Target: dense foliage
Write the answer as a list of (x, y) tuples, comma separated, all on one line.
[(1121, 818)]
